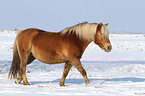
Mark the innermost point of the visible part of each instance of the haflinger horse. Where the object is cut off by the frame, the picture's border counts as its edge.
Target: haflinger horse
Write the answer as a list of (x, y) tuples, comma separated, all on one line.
[(66, 46)]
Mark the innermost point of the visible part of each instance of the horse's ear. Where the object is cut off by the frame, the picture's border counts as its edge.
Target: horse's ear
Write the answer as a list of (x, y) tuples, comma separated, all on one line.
[(101, 23), (107, 24), (99, 26)]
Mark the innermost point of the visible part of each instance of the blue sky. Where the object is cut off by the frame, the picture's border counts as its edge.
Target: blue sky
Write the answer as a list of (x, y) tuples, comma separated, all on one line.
[(54, 15)]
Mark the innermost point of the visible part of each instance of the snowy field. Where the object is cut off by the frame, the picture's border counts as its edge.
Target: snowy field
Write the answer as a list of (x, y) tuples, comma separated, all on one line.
[(118, 73)]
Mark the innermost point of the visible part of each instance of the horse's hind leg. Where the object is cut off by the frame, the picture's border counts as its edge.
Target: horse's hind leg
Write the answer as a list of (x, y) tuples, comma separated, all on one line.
[(22, 73), (65, 73), (24, 43), (23, 54), (23, 69), (31, 58)]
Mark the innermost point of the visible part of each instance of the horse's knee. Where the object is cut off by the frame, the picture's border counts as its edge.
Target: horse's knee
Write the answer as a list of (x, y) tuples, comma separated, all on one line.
[(84, 72)]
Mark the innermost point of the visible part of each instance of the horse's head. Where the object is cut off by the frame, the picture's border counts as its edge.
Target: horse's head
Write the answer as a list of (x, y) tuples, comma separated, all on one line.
[(102, 37)]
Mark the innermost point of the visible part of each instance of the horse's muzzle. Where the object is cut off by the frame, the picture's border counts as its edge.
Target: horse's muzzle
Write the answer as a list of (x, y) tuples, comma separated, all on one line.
[(108, 48)]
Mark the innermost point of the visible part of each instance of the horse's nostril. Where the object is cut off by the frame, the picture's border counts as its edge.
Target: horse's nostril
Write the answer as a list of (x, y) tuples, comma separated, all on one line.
[(109, 48)]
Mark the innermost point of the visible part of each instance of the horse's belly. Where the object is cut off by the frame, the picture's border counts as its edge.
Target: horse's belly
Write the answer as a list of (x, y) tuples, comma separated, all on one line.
[(50, 57)]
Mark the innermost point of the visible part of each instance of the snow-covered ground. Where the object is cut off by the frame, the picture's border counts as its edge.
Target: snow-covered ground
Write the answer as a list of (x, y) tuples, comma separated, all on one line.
[(118, 73)]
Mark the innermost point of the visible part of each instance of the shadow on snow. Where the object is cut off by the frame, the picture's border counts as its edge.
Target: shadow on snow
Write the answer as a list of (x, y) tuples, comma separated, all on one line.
[(80, 81)]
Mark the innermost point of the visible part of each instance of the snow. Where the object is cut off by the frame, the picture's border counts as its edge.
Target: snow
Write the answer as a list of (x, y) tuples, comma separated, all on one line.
[(118, 73)]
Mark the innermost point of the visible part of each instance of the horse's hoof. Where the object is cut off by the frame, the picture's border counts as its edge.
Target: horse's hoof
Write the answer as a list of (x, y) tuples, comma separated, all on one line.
[(61, 84), (26, 83), (16, 82), (87, 83)]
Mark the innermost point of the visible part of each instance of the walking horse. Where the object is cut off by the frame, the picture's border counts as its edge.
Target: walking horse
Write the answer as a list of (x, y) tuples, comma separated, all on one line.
[(66, 46)]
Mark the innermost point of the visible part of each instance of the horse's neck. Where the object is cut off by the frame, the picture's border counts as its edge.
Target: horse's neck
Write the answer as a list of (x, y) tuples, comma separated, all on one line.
[(84, 44), (81, 43)]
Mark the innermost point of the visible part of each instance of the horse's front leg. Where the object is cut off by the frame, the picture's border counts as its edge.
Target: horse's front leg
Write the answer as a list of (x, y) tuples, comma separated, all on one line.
[(77, 64), (67, 67)]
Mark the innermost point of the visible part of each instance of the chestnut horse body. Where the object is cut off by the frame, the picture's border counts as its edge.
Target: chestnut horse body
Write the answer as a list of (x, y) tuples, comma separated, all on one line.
[(66, 46)]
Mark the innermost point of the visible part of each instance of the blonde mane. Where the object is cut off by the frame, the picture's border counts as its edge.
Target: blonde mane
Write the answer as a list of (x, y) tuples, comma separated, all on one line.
[(85, 30)]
